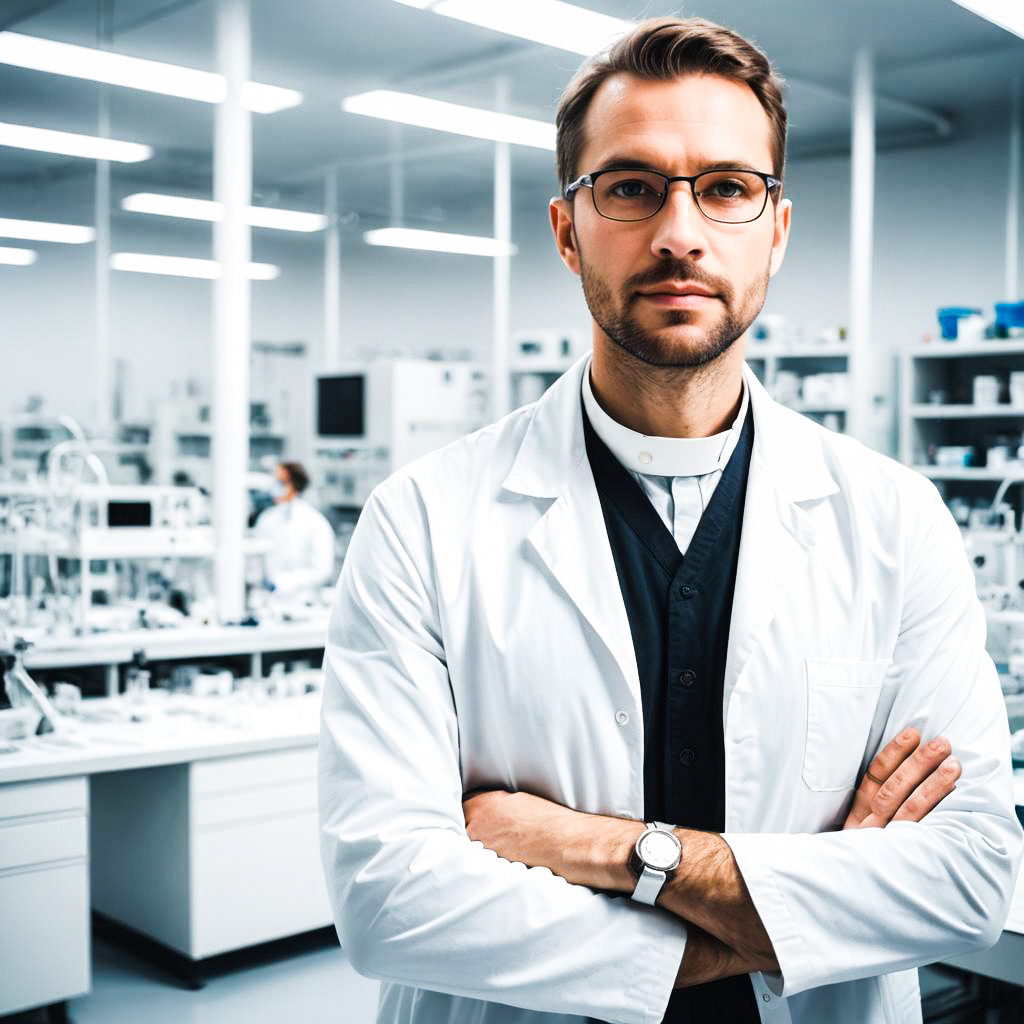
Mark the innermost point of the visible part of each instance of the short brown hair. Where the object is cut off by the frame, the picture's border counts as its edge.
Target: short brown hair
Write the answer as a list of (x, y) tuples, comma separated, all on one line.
[(297, 475), (662, 49)]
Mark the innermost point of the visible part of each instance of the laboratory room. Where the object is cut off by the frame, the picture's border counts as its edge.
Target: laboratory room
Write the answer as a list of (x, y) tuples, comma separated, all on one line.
[(511, 511)]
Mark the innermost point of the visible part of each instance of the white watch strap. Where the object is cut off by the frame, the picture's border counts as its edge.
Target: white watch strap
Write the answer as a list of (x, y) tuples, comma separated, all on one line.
[(651, 880), (648, 885)]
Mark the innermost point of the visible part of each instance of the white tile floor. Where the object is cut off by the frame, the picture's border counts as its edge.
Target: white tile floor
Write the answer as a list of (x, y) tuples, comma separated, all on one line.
[(316, 986)]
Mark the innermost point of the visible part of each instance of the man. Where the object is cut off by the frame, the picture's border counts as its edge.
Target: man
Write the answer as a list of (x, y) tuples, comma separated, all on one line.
[(301, 559), (658, 597)]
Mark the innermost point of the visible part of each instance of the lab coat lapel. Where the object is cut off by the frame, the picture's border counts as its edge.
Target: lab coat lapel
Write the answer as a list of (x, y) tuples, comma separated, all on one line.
[(787, 474), (570, 537)]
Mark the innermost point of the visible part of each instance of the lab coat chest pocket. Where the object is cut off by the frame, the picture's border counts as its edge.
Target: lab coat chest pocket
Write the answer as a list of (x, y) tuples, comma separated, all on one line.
[(841, 700)]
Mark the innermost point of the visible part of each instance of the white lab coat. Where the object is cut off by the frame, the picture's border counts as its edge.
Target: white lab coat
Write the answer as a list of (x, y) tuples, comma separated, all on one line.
[(479, 639), (301, 557)]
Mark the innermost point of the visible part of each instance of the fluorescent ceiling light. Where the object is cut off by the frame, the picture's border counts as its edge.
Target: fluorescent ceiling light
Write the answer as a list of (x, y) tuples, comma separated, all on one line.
[(206, 209), (551, 22), (179, 266), (999, 12), (17, 257), (69, 144), (134, 73), (42, 231), (438, 241), (451, 117)]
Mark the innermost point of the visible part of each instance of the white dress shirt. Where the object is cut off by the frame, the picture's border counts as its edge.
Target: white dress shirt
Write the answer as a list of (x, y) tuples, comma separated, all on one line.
[(678, 474)]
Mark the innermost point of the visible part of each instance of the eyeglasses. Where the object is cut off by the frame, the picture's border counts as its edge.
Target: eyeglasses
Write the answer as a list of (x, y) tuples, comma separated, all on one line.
[(726, 196)]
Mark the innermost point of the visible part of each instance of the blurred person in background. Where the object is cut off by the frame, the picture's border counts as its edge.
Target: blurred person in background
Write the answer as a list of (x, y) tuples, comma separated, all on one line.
[(302, 554)]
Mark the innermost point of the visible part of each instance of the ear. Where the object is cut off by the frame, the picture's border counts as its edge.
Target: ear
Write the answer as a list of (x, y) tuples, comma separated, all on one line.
[(560, 211), (783, 219)]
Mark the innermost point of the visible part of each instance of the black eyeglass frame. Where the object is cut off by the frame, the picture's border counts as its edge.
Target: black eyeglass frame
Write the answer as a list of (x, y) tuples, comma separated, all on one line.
[(771, 183)]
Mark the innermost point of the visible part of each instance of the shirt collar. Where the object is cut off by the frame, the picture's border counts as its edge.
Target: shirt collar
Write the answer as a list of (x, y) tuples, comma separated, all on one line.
[(663, 456)]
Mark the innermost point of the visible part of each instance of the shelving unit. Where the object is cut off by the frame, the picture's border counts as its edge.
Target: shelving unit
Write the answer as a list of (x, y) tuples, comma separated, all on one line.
[(767, 360), (948, 369)]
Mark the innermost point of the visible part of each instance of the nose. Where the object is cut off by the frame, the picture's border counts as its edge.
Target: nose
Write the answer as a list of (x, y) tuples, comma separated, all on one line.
[(679, 226)]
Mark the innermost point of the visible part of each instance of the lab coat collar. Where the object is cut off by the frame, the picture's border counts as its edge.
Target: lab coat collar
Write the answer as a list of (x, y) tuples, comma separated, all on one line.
[(786, 447)]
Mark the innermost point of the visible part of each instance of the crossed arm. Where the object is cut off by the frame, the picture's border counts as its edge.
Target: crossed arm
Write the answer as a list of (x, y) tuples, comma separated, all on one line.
[(726, 936)]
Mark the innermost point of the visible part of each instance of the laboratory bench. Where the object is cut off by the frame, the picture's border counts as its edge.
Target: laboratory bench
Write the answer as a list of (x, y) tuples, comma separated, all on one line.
[(191, 822)]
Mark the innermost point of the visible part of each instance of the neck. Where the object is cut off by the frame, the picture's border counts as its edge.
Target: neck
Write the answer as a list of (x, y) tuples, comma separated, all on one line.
[(668, 401)]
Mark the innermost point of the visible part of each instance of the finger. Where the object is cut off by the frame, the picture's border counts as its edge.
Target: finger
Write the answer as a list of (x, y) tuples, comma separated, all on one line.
[(896, 751), (908, 776), (934, 789)]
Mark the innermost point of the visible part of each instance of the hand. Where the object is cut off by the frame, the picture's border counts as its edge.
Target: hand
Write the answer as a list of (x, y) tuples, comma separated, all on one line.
[(914, 777)]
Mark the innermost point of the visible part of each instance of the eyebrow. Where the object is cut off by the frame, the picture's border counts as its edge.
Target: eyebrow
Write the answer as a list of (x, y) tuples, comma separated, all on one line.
[(631, 163)]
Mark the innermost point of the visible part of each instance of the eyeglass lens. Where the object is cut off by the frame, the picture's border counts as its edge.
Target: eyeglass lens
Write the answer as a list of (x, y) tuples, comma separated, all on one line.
[(731, 197)]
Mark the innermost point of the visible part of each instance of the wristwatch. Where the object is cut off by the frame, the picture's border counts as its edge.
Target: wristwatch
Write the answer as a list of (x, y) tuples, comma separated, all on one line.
[(655, 857)]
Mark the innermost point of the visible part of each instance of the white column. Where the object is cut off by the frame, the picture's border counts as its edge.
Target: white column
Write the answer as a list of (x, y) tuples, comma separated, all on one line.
[(1012, 288), (103, 414), (502, 267), (232, 188), (332, 274), (397, 178), (863, 351)]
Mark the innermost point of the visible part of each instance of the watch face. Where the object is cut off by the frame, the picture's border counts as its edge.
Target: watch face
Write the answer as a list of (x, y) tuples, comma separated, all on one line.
[(660, 850)]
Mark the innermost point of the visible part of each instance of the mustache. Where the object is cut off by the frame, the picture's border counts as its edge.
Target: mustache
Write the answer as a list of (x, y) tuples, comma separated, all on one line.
[(676, 270)]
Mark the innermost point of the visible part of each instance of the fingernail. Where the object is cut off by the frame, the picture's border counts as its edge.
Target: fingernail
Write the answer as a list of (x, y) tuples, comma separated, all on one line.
[(907, 734), (951, 762), (938, 745)]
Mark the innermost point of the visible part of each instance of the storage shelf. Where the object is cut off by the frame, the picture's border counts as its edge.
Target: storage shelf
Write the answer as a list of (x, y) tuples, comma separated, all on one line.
[(935, 411), (756, 350), (959, 349), (969, 473)]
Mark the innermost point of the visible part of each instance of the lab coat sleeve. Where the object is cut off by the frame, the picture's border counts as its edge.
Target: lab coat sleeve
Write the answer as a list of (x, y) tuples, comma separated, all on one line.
[(856, 903), (415, 901)]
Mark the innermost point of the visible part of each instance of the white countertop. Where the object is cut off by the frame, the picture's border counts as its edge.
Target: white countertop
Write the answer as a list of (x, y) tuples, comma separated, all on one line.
[(187, 642), (170, 729)]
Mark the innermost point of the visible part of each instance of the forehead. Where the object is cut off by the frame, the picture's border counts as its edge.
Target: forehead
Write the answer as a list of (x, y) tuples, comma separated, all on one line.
[(676, 124)]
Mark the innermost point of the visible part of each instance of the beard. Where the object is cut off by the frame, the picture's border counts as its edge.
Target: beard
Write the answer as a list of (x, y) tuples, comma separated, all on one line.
[(652, 346)]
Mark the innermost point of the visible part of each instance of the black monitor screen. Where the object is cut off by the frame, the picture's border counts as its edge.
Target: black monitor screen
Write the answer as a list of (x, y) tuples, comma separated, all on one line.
[(129, 513), (341, 406)]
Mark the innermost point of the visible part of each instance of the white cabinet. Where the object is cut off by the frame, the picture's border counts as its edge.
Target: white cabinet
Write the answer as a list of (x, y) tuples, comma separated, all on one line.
[(44, 893), (813, 379), (938, 411), (211, 856)]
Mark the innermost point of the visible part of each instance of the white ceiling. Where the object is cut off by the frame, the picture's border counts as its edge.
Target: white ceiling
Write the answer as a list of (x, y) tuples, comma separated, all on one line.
[(928, 52)]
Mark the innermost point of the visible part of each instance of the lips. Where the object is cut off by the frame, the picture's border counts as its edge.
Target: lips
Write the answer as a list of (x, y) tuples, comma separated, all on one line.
[(678, 290)]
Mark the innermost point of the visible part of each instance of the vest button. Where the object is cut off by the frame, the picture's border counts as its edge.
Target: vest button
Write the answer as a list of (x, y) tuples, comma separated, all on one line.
[(686, 592), (687, 757), (688, 677)]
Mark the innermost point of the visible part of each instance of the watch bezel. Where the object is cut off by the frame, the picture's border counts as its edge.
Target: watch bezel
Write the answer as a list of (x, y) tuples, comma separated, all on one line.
[(640, 861)]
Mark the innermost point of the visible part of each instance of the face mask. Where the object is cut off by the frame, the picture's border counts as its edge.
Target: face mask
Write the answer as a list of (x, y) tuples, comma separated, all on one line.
[(278, 490)]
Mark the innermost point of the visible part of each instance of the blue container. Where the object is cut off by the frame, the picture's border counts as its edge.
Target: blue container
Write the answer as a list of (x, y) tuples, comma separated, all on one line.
[(949, 317), (1010, 314)]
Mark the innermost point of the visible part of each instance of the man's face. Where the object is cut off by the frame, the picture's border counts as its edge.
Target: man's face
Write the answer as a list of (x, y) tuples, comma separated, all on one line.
[(632, 272)]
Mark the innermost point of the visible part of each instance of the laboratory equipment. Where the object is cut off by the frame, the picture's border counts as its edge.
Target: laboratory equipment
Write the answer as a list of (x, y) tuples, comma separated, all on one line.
[(950, 317), (23, 691), (372, 418)]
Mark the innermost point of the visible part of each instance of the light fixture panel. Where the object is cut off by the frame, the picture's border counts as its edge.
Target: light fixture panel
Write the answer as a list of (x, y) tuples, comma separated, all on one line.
[(44, 231), (438, 241)]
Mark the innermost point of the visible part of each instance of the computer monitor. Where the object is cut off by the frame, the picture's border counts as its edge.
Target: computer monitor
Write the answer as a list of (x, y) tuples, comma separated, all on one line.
[(341, 406)]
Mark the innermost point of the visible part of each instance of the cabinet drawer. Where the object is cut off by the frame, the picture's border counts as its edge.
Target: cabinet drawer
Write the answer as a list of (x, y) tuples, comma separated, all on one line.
[(253, 770), (273, 801), (39, 842), (23, 799)]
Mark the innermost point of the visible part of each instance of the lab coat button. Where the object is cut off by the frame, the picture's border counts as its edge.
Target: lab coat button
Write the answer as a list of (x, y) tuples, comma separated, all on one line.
[(645, 458), (622, 717), (687, 757)]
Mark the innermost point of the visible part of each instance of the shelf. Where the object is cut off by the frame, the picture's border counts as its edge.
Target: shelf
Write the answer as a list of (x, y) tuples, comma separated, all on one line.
[(765, 350), (970, 473), (822, 410), (959, 349), (934, 411)]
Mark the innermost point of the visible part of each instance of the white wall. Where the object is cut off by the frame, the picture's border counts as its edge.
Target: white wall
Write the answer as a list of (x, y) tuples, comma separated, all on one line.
[(939, 241)]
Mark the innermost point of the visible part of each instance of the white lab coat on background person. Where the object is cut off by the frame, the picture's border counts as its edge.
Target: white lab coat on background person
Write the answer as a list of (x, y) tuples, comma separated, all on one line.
[(479, 640), (301, 557)]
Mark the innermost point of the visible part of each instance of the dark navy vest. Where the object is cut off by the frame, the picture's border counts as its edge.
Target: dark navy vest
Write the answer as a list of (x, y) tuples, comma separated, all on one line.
[(679, 611)]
